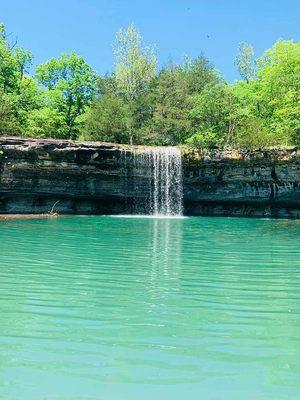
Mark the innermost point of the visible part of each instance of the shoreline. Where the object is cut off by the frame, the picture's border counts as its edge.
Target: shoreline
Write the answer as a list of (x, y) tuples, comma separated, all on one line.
[(6, 217)]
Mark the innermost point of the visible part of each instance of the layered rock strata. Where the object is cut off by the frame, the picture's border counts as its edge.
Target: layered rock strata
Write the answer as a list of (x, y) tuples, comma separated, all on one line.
[(49, 176)]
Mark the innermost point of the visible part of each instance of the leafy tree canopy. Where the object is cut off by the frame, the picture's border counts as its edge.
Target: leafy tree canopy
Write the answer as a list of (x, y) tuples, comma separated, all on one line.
[(71, 83), (186, 103)]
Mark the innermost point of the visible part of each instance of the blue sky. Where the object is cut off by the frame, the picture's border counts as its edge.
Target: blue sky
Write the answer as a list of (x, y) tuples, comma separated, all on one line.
[(176, 27)]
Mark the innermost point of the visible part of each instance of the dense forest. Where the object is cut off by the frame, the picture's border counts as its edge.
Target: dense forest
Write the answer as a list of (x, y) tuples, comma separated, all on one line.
[(188, 103)]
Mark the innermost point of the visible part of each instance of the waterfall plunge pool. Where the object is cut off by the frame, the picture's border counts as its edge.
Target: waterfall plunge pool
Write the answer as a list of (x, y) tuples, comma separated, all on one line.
[(149, 308), (152, 216)]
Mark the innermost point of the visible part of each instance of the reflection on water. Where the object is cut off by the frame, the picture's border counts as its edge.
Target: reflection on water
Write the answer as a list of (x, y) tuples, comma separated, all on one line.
[(166, 236), (117, 308)]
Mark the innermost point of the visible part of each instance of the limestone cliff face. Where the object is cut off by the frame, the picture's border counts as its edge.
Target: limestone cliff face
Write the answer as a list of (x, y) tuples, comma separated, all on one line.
[(243, 183), (38, 176)]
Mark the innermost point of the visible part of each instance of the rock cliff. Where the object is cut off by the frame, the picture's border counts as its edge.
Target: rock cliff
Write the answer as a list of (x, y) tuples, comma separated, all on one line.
[(262, 183), (40, 176)]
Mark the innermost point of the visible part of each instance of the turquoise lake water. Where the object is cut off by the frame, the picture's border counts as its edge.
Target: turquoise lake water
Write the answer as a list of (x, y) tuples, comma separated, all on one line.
[(114, 308)]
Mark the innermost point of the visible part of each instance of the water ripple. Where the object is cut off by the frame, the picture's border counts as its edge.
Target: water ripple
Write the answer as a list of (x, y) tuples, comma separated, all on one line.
[(154, 308)]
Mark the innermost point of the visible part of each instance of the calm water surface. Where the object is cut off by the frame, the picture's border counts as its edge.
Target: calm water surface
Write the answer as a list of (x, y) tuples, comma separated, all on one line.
[(111, 308)]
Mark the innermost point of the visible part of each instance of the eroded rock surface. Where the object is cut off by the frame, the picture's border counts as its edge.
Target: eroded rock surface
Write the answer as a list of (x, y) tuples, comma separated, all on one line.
[(41, 176), (243, 183)]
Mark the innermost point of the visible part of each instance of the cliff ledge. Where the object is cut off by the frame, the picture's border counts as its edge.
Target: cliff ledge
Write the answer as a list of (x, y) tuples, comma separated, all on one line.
[(41, 176)]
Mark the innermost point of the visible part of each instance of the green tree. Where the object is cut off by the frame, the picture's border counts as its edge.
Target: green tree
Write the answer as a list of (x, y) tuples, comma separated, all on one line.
[(70, 82), (174, 92), (183, 103), (18, 92), (29, 97), (197, 73), (216, 115), (14, 62), (9, 125), (273, 98), (46, 122), (135, 62), (170, 123), (135, 68), (244, 61), (253, 131), (279, 89), (107, 120), (226, 115), (109, 115)]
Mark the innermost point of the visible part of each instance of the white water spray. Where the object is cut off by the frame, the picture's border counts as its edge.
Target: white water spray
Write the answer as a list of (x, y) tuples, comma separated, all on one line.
[(157, 176), (166, 197)]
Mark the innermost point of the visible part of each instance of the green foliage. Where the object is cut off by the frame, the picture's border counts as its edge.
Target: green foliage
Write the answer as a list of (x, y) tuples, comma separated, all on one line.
[(9, 124), (135, 68), (244, 61), (46, 122), (135, 63), (170, 123), (279, 88), (18, 93), (172, 98), (182, 103), (204, 139), (71, 83), (13, 63), (263, 110), (107, 120), (217, 115), (28, 98)]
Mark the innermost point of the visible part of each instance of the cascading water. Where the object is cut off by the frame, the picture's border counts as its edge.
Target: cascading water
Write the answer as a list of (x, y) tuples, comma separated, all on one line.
[(157, 181), (166, 194)]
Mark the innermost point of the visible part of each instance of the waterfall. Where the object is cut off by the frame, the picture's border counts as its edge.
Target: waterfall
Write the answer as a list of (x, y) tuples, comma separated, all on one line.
[(157, 181), (166, 193)]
